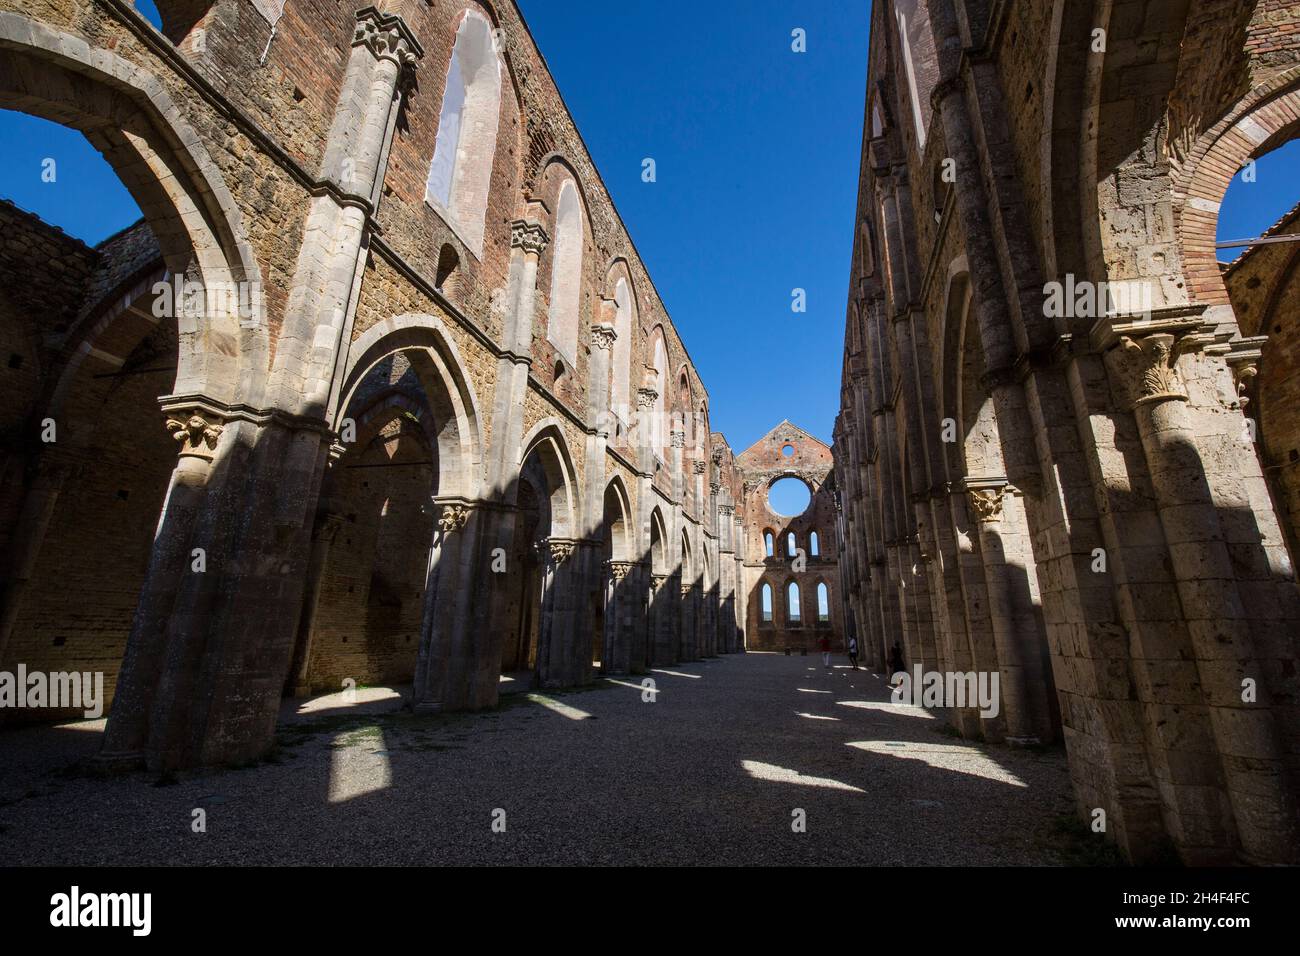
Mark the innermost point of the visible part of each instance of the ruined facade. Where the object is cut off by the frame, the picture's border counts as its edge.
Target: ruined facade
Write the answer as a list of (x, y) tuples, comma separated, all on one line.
[(1052, 478), (791, 576), (379, 390)]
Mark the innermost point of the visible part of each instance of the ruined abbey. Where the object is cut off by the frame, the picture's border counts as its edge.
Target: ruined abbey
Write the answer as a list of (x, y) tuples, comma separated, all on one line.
[(1067, 438), (378, 390), (379, 393)]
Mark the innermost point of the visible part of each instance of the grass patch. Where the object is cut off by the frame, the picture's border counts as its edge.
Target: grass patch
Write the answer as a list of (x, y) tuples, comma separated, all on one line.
[(1077, 845)]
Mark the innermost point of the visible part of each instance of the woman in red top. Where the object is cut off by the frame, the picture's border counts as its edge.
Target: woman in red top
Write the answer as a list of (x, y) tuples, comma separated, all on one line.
[(825, 645)]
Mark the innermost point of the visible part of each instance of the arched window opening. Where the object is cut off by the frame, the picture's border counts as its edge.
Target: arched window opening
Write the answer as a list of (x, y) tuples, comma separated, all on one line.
[(823, 603), (919, 60), (767, 604), (660, 366), (792, 603), (1262, 281), (791, 546), (767, 543), (621, 393), (814, 547), (566, 274), (461, 170)]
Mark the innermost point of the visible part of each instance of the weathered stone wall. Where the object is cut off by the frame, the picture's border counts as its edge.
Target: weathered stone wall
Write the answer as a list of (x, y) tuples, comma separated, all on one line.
[(304, 541), (758, 468), (1069, 496)]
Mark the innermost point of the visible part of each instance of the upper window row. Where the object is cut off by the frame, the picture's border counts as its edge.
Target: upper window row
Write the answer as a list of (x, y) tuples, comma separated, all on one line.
[(791, 544)]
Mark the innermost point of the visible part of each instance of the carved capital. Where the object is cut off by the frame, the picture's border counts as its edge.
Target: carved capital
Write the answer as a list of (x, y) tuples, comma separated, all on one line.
[(196, 435), (618, 570), (453, 518), (603, 336), (1146, 365), (726, 510), (555, 551), (388, 37), (528, 236), (1243, 361), (646, 397), (678, 439), (715, 487), (327, 527), (986, 503), (699, 467)]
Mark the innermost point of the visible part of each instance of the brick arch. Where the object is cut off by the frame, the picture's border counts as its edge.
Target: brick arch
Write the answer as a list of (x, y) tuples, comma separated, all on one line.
[(546, 441), (129, 117), (1258, 124), (448, 390), (619, 522), (626, 319)]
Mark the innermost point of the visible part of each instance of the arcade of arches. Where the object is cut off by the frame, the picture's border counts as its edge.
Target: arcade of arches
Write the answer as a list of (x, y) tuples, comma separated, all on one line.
[(380, 390), (377, 391), (1095, 500)]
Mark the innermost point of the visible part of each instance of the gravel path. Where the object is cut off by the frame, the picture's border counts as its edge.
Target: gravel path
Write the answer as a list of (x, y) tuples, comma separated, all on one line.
[(709, 773)]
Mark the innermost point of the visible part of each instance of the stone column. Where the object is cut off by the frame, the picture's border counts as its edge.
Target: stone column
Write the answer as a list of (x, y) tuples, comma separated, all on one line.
[(1142, 359), (620, 656), (560, 662), (212, 641), (1018, 654)]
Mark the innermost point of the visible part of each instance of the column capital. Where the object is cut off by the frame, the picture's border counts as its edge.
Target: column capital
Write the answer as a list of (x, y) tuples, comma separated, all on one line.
[(388, 37), (699, 467), (528, 235), (556, 550), (195, 434), (646, 397), (677, 439), (603, 336), (326, 527), (1243, 362), (618, 570), (454, 517), (985, 495)]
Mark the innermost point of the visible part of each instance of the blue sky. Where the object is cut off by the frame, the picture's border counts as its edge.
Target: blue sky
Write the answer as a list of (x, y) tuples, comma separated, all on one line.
[(756, 150)]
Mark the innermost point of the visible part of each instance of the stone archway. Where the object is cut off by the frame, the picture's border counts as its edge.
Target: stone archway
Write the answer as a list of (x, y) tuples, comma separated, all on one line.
[(221, 343)]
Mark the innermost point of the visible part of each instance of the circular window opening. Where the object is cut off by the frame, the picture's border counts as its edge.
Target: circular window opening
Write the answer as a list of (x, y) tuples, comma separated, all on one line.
[(787, 451), (788, 497)]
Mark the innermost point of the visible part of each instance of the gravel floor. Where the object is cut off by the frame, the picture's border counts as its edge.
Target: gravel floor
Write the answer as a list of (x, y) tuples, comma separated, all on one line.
[(709, 773)]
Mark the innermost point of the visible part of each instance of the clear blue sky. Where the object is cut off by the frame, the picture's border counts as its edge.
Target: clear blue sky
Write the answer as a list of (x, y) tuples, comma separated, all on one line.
[(1249, 208), (756, 149)]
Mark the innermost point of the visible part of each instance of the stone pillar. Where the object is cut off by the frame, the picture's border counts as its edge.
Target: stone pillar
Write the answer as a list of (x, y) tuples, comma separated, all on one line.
[(1016, 634), (1142, 358), (623, 653), (690, 609), (561, 660), (212, 641)]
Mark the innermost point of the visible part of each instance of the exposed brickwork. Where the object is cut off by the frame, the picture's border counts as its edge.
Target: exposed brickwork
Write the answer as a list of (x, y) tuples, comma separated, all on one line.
[(354, 450), (759, 467)]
